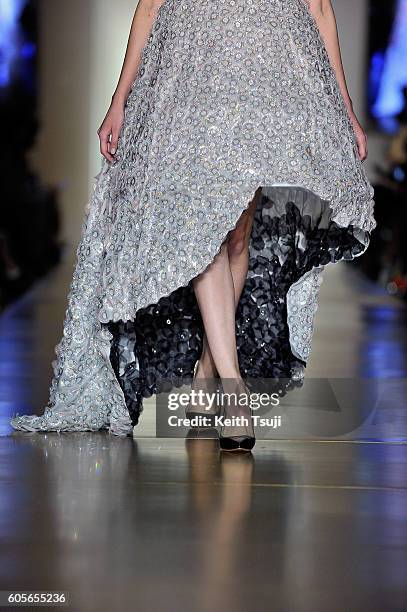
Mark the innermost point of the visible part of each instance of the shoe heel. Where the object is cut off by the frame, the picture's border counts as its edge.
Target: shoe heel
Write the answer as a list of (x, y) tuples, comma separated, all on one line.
[(236, 444)]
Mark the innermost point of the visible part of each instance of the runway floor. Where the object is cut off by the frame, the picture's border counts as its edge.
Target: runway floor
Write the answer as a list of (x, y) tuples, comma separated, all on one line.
[(308, 523)]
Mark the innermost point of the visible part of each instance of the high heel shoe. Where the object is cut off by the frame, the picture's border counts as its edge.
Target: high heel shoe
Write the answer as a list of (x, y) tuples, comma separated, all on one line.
[(237, 444), (244, 440), (210, 412)]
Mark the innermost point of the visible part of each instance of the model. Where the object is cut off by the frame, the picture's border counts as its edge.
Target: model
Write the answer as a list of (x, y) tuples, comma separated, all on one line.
[(232, 175)]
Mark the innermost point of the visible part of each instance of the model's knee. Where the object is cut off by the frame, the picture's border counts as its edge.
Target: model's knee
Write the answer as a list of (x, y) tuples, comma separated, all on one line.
[(238, 244)]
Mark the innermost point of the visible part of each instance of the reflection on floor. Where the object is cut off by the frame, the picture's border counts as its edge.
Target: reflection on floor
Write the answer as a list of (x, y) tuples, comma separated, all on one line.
[(168, 524)]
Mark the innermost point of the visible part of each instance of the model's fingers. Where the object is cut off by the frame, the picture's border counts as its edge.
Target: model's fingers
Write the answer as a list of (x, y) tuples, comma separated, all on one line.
[(362, 148), (366, 151), (104, 145), (114, 141), (103, 138)]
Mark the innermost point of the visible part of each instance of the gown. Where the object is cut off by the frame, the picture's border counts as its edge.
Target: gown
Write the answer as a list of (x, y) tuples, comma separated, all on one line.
[(230, 96)]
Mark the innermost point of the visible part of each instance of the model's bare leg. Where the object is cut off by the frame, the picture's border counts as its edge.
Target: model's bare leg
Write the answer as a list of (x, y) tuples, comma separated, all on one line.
[(238, 253)]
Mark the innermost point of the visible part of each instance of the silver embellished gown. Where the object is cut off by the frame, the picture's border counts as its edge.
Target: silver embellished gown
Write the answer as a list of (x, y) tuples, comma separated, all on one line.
[(231, 95)]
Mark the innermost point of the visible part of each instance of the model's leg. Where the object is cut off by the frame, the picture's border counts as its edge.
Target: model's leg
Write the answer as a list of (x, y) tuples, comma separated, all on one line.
[(238, 247), (238, 252), (215, 293)]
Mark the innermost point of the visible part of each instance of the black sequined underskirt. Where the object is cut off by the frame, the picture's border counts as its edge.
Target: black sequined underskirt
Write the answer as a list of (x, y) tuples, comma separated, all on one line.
[(160, 347)]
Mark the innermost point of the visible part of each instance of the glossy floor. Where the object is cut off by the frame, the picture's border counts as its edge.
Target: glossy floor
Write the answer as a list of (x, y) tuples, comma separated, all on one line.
[(317, 524)]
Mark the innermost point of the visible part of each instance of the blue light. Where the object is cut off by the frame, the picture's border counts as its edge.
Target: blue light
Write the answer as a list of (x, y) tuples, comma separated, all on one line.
[(10, 36), (376, 69), (28, 50), (4, 75), (390, 99), (399, 174)]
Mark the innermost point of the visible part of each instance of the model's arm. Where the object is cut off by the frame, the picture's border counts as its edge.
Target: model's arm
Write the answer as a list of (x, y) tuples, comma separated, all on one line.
[(325, 18), (143, 21)]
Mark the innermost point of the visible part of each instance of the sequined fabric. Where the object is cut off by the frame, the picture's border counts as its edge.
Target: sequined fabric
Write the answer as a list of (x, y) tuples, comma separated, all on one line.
[(231, 95), (293, 238)]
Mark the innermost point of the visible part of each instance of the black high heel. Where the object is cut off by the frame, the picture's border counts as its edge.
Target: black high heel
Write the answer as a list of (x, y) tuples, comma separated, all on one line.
[(237, 444), (240, 443), (204, 415)]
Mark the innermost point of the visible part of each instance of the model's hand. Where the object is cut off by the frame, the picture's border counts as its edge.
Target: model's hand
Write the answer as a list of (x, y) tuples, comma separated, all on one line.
[(361, 137), (109, 131)]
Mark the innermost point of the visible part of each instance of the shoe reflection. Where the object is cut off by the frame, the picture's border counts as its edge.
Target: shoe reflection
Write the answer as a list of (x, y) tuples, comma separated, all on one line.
[(128, 505), (221, 496)]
